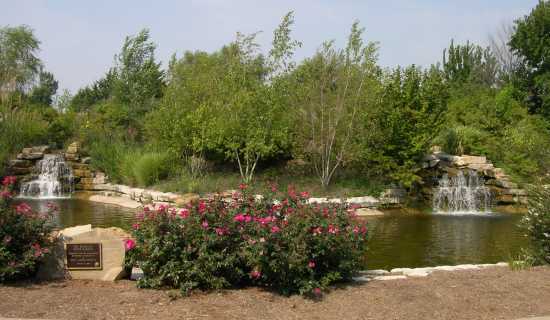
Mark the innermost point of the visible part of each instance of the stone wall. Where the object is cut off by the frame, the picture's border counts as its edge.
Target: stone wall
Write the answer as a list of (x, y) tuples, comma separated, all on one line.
[(505, 191)]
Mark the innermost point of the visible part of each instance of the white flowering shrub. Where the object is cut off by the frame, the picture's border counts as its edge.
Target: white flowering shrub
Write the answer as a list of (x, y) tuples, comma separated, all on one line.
[(537, 222)]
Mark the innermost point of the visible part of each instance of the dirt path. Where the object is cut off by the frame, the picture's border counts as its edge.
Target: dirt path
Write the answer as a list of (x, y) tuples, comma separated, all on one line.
[(495, 293)]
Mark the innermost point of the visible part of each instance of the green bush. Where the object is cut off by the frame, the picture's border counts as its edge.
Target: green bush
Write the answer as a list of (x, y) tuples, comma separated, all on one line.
[(24, 237), (19, 128), (537, 222), (288, 246), (151, 167)]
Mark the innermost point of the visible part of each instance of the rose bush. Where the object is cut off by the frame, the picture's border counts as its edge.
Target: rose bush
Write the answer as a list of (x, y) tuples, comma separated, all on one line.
[(284, 244), (24, 236), (537, 223)]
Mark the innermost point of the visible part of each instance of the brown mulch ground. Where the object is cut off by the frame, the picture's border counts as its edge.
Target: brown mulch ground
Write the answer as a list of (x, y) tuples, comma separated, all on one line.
[(495, 293)]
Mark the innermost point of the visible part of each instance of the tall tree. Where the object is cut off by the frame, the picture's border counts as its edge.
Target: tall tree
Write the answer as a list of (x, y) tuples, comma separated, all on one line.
[(531, 42), (330, 96), (45, 90), (19, 64), (470, 63)]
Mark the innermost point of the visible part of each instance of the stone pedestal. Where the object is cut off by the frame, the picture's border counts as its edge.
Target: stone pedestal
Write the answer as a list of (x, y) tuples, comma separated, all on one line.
[(112, 254)]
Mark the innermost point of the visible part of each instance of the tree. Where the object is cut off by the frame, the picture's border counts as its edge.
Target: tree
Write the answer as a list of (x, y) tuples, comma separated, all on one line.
[(508, 61), (139, 78), (45, 90), (470, 64), (19, 64), (330, 95), (99, 91), (531, 42)]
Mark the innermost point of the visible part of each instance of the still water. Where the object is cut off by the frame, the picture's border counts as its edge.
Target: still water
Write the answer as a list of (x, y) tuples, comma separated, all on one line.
[(396, 240)]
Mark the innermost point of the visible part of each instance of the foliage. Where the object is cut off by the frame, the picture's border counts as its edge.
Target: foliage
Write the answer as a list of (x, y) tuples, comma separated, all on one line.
[(537, 222), (19, 128), (287, 245), (531, 43), (470, 63), (24, 236), (47, 87), (149, 168), (19, 64), (410, 115), (332, 92)]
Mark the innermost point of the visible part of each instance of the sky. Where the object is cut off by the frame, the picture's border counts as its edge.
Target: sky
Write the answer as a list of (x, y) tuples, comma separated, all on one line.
[(80, 38)]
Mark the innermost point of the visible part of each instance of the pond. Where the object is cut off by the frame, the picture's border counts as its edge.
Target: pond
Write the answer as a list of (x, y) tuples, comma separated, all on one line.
[(397, 239)]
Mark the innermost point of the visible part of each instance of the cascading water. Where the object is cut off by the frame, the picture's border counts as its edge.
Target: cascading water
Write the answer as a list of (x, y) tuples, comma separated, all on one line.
[(464, 193), (55, 179)]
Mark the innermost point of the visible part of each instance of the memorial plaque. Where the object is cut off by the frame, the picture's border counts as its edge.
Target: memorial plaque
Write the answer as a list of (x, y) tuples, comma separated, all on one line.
[(83, 256)]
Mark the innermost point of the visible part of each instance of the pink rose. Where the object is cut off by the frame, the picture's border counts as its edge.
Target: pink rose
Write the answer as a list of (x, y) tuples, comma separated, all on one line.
[(184, 213), (317, 291), (311, 264), (129, 244), (255, 274), (275, 229), (204, 224)]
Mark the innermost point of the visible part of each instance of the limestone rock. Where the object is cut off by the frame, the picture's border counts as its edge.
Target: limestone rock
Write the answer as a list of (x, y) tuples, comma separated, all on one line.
[(86, 160), (367, 212), (469, 160), (30, 156), (366, 201), (112, 247), (41, 149), (72, 156), (187, 198), (73, 148)]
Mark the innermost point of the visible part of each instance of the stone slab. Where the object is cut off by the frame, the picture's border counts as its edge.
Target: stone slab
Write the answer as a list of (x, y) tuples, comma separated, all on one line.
[(118, 201), (367, 212)]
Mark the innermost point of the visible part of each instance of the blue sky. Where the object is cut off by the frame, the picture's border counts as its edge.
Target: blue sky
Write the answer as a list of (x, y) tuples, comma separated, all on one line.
[(80, 38)]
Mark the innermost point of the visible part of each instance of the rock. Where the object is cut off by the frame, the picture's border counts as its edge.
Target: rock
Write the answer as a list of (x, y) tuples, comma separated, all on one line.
[(317, 200), (30, 156), (82, 173), (366, 201), (481, 167), (433, 163), (19, 171), (505, 199), (72, 157), (86, 160), (515, 192), (99, 178), (136, 274), (385, 278), (73, 231), (376, 272), (469, 160), (394, 196), (445, 157), (335, 200), (186, 199), (19, 163), (367, 212), (113, 252), (119, 201), (73, 148), (41, 149), (505, 184), (362, 279)]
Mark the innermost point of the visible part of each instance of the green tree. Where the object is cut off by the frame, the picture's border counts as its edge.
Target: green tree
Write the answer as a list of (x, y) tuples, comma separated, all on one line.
[(330, 95), (19, 64), (45, 90), (531, 42), (139, 79), (470, 63)]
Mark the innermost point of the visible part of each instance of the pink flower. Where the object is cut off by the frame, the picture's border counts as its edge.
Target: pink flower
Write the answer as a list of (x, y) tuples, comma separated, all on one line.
[(135, 226), (129, 244), (317, 291), (37, 250), (184, 213), (23, 208), (273, 188), (5, 194), (8, 180), (356, 229), (311, 264), (332, 229), (243, 186), (304, 194), (317, 231), (7, 239), (247, 218), (363, 229), (204, 224), (255, 274), (202, 207), (146, 209), (239, 218), (221, 231), (275, 229)]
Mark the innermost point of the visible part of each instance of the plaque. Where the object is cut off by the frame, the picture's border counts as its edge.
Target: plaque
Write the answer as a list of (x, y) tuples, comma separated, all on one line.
[(83, 256)]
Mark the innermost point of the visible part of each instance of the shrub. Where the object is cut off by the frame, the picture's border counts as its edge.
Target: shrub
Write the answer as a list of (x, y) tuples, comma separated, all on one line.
[(151, 167), (537, 222), (289, 246), (24, 237)]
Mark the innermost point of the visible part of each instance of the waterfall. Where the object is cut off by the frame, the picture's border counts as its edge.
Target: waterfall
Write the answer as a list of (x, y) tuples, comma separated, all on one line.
[(55, 179), (464, 193)]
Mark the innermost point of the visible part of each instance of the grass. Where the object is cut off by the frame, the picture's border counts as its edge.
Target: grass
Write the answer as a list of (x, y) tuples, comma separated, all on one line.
[(221, 180)]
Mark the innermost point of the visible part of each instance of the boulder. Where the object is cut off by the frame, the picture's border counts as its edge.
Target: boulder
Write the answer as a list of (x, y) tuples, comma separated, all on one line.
[(73, 148), (112, 254), (41, 149), (30, 156), (469, 160), (367, 212), (72, 157), (366, 201), (86, 160), (19, 163), (185, 199), (393, 196)]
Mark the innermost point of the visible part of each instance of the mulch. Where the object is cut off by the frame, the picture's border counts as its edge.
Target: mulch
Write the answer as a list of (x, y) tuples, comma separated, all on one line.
[(493, 293)]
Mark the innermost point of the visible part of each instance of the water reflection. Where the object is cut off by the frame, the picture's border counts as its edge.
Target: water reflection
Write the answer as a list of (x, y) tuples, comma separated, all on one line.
[(74, 212), (404, 240)]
